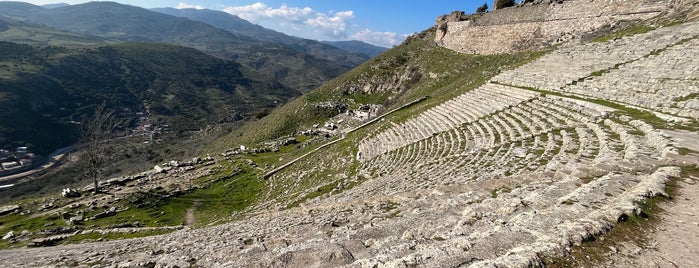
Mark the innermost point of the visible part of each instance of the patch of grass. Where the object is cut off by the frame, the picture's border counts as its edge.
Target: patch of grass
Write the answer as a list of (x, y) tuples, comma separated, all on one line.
[(225, 196), (320, 191), (627, 31), (569, 202), (494, 193), (686, 97), (394, 214), (685, 151)]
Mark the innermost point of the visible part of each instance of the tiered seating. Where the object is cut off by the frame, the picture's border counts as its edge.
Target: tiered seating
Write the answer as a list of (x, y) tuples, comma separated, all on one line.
[(571, 63), (510, 140), (497, 177), (463, 109), (652, 82)]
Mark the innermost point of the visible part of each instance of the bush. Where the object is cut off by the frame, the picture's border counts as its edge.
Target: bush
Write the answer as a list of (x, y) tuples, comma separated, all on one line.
[(504, 3), (482, 9)]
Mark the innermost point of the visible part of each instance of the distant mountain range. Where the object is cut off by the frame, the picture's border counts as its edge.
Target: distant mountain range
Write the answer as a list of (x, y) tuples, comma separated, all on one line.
[(357, 47), (237, 25), (297, 63), (45, 91), (59, 61)]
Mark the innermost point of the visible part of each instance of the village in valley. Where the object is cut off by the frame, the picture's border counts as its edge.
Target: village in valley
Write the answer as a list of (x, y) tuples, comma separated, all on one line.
[(20, 159)]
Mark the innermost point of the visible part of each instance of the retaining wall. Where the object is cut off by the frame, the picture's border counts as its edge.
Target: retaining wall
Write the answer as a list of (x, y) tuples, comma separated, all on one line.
[(534, 26)]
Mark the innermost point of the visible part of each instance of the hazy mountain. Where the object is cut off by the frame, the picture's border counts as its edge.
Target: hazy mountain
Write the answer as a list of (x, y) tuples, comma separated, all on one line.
[(230, 23), (119, 22), (20, 32), (43, 89), (358, 47), (55, 5), (235, 24), (19, 11)]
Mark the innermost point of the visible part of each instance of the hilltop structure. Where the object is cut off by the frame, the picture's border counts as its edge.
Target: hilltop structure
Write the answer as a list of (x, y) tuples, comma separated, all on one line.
[(536, 24)]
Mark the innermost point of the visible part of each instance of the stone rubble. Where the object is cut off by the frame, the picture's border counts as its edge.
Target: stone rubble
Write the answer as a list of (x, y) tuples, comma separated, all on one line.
[(500, 176)]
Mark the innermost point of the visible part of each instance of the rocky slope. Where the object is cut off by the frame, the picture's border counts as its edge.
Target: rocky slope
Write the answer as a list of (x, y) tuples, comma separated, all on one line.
[(538, 160)]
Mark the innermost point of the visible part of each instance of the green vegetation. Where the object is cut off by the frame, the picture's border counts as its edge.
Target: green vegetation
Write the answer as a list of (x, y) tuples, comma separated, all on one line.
[(633, 29), (44, 36), (142, 75), (482, 9), (429, 71), (686, 98), (180, 87), (504, 3)]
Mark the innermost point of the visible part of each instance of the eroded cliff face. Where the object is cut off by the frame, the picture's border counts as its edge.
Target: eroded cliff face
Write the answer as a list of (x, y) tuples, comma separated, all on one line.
[(540, 23), (393, 82)]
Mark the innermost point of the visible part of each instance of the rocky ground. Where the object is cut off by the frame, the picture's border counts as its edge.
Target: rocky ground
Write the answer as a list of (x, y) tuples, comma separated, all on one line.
[(673, 242), (528, 167)]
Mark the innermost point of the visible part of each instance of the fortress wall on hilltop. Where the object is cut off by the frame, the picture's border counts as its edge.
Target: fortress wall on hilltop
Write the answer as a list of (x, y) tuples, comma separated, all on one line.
[(535, 26)]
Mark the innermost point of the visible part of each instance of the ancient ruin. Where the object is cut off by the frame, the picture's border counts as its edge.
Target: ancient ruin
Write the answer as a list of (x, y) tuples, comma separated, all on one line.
[(538, 24), (533, 162)]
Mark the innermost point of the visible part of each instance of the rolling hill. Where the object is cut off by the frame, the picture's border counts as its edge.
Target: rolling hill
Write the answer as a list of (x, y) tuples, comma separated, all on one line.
[(124, 23), (20, 32), (332, 51), (358, 47), (50, 87)]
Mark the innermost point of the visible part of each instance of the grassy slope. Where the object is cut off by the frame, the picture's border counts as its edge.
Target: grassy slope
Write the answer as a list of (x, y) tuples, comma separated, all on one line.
[(48, 87), (443, 75)]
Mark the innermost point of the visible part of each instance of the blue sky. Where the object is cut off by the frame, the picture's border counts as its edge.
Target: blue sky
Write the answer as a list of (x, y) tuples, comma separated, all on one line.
[(379, 22)]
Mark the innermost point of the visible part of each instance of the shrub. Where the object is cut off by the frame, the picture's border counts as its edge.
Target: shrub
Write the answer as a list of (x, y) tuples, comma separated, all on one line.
[(504, 3), (482, 9)]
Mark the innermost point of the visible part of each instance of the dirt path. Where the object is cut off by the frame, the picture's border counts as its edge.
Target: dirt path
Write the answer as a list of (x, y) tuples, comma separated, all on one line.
[(190, 219), (674, 241)]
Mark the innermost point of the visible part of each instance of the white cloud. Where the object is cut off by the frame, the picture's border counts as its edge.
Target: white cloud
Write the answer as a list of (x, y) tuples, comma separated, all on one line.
[(297, 19), (309, 23), (384, 39), (334, 26), (258, 11), (183, 5)]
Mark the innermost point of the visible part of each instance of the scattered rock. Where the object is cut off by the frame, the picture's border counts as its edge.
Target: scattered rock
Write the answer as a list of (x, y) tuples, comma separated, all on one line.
[(9, 209), (9, 235)]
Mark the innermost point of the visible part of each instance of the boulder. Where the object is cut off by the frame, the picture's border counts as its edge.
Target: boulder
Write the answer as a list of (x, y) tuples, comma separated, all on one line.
[(69, 192), (9, 209), (9, 235)]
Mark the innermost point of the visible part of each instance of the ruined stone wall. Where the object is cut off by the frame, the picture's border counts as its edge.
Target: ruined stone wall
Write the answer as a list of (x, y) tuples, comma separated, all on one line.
[(535, 26)]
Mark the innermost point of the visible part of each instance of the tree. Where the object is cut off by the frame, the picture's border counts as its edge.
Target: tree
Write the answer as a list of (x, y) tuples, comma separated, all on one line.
[(504, 3), (482, 9), (94, 132)]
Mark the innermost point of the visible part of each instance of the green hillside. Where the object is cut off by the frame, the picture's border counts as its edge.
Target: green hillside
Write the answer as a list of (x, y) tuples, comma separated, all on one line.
[(295, 68), (415, 69), (48, 88), (335, 53)]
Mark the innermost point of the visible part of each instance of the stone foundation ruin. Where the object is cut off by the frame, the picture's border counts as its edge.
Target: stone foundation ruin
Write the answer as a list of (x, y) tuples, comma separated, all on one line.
[(539, 24)]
